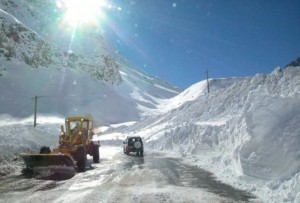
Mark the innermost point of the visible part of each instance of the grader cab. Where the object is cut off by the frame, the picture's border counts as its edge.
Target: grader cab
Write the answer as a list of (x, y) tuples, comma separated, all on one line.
[(75, 142)]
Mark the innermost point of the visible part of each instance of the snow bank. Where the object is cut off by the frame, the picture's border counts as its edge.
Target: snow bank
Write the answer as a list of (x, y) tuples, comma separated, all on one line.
[(17, 136), (246, 131), (273, 148)]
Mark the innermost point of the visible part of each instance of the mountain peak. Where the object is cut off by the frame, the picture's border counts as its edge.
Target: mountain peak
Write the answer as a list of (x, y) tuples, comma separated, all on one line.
[(294, 63)]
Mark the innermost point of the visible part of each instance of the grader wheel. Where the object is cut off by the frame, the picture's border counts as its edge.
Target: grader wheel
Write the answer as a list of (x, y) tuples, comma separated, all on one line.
[(96, 153), (81, 159)]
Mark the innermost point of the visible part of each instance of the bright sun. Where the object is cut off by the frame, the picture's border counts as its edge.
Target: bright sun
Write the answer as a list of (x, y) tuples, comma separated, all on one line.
[(83, 11)]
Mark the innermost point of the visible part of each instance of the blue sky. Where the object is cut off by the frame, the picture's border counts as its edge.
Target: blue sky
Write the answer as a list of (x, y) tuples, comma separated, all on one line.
[(179, 40)]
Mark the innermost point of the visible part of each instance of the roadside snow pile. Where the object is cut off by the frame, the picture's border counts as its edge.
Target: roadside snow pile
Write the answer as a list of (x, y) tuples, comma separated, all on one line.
[(247, 132), (17, 136)]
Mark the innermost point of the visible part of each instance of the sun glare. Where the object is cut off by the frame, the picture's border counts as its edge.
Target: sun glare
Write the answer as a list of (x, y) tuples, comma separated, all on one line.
[(83, 11), (78, 16)]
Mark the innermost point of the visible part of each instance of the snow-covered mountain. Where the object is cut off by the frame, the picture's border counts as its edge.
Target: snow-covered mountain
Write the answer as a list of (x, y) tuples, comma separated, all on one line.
[(246, 130), (72, 74), (294, 63)]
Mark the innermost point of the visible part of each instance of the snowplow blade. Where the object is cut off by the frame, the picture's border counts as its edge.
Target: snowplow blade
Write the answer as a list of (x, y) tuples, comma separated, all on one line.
[(37, 160), (50, 166)]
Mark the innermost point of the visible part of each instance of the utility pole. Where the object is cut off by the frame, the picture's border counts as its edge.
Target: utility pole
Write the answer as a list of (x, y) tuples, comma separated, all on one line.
[(35, 110), (207, 81)]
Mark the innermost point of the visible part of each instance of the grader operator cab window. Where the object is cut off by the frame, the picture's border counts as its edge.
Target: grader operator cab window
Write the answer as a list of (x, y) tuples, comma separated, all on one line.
[(79, 126), (75, 127), (85, 124)]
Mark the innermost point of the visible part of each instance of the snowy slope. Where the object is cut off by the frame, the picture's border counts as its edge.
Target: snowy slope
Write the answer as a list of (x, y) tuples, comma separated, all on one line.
[(99, 84), (21, 44), (147, 91), (193, 92), (246, 130), (47, 19)]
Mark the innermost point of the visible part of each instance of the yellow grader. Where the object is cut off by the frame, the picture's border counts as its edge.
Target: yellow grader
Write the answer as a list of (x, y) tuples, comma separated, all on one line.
[(75, 142)]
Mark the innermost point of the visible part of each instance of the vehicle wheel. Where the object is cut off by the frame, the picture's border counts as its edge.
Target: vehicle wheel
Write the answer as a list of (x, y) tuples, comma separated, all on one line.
[(137, 145), (45, 150), (138, 152), (96, 153), (141, 153), (81, 159), (127, 152)]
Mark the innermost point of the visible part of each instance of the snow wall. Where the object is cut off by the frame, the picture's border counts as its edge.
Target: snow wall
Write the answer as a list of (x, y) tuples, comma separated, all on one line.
[(248, 128)]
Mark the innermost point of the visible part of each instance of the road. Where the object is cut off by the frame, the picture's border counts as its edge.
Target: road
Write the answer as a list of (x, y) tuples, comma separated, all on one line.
[(121, 178)]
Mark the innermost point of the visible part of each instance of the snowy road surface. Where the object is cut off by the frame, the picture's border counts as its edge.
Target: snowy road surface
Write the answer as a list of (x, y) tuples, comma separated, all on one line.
[(122, 178)]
